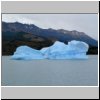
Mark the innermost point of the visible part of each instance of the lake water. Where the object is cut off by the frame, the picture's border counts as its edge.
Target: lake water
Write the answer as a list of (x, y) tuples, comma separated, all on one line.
[(49, 72)]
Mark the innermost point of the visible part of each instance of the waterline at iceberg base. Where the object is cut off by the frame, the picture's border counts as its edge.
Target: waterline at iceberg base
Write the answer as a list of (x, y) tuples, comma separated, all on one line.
[(73, 50)]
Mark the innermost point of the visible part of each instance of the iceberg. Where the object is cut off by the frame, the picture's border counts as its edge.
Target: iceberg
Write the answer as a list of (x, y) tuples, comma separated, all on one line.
[(27, 53), (59, 50), (74, 50)]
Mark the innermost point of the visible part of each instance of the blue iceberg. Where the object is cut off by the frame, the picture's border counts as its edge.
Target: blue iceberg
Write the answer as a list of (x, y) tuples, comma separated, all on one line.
[(73, 50), (27, 53)]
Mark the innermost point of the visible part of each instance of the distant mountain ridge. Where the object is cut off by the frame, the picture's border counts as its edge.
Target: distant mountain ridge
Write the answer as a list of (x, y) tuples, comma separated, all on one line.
[(29, 34), (61, 34)]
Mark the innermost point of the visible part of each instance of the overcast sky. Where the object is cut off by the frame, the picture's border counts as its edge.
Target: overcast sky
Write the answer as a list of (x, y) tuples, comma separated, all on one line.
[(87, 23)]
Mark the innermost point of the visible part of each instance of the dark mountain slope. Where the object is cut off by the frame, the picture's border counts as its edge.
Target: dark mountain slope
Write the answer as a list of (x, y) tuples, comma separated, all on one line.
[(16, 34)]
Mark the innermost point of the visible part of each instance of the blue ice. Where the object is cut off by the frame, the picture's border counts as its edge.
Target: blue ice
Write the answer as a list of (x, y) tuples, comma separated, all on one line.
[(73, 50)]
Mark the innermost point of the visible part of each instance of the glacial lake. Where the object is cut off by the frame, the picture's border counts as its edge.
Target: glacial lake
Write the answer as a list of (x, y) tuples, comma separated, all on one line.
[(49, 72)]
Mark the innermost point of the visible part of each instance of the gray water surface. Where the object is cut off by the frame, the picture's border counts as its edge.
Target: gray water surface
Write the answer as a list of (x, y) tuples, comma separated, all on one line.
[(49, 72)]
